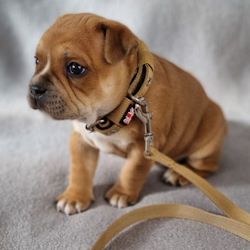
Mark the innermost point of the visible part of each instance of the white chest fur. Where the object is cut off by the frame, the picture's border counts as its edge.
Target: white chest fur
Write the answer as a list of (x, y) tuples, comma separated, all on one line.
[(108, 144)]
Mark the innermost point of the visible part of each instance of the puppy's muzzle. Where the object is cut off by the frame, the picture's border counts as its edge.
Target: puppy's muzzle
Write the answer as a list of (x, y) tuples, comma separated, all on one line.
[(36, 91)]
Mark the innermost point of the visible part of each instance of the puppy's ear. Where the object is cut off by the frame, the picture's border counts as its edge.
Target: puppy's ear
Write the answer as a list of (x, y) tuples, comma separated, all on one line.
[(119, 41)]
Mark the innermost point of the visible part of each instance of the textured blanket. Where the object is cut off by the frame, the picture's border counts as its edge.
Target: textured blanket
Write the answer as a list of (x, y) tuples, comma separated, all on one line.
[(210, 39)]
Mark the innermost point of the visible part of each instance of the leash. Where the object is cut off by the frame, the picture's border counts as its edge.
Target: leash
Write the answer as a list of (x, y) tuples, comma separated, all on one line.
[(238, 220)]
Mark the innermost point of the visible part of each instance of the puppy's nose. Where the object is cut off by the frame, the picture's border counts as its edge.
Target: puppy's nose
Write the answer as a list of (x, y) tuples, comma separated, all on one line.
[(37, 91)]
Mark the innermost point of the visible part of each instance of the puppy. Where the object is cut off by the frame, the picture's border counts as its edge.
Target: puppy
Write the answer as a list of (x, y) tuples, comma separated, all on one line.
[(85, 66)]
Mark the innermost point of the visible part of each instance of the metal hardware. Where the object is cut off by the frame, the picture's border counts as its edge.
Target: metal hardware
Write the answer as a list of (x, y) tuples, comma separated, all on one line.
[(149, 81), (90, 127), (141, 101), (145, 117)]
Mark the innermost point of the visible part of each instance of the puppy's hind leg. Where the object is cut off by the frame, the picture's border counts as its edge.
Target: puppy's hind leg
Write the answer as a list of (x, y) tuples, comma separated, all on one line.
[(175, 179), (203, 162)]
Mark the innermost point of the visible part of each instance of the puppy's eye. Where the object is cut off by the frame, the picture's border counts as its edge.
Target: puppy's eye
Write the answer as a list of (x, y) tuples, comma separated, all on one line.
[(37, 61), (76, 69)]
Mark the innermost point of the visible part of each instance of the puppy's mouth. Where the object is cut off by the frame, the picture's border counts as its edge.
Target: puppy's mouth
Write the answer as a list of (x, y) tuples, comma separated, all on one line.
[(38, 97), (51, 103)]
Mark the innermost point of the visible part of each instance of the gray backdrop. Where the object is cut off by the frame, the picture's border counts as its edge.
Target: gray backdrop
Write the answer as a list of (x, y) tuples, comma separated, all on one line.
[(210, 39)]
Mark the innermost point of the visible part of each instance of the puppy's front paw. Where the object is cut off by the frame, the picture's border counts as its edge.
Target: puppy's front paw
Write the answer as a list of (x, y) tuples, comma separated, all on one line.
[(69, 203), (174, 179), (118, 197)]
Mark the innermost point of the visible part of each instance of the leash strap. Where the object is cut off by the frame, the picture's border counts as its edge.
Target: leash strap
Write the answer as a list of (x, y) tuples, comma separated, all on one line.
[(237, 222)]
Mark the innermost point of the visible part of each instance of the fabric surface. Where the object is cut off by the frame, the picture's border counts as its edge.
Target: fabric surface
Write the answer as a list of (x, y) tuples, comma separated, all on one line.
[(210, 39)]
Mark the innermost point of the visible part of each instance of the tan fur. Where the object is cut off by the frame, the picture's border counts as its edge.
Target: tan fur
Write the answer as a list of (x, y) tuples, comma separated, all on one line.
[(187, 125)]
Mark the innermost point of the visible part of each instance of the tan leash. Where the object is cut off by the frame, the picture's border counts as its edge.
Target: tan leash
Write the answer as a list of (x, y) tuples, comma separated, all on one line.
[(238, 220)]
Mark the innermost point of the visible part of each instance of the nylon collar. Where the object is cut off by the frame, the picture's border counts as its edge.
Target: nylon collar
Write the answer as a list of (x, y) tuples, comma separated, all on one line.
[(123, 114)]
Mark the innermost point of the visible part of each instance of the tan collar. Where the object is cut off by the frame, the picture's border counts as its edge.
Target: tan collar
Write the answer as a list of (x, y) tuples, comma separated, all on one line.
[(123, 114)]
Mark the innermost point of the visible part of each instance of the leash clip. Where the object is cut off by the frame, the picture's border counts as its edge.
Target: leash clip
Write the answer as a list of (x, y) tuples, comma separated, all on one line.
[(145, 117)]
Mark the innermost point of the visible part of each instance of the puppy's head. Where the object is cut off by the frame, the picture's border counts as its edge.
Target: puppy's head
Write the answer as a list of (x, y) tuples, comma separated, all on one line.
[(84, 66)]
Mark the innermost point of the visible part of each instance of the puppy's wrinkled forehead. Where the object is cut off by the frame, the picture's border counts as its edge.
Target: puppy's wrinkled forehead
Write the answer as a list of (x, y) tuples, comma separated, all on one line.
[(92, 34), (74, 36)]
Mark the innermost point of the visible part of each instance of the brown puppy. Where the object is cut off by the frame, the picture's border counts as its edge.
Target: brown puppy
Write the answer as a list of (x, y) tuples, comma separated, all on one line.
[(85, 64)]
